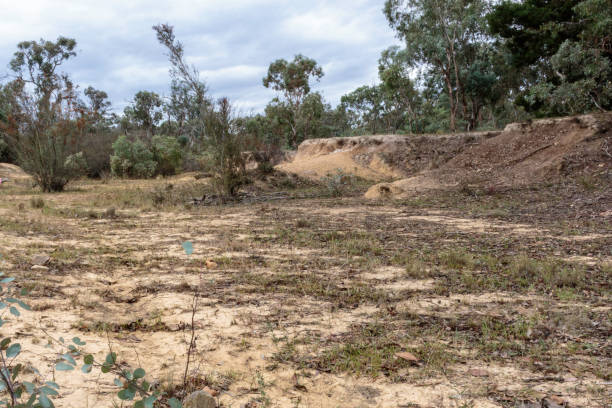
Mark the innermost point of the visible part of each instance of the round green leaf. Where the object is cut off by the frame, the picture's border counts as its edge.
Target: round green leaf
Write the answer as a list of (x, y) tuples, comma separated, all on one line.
[(69, 359), (44, 401), (174, 403), (13, 350), (61, 366), (139, 373), (126, 395)]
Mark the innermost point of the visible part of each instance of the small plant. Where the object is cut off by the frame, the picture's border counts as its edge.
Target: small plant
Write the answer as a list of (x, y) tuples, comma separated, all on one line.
[(261, 386), (457, 259), (337, 183), (37, 202), (18, 393)]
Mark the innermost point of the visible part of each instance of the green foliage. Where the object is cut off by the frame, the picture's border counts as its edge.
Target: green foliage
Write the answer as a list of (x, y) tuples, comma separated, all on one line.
[(132, 159), (364, 108), (526, 28), (43, 123), (5, 155), (168, 154), (144, 113), (448, 39), (15, 392), (293, 80), (563, 51), (226, 144)]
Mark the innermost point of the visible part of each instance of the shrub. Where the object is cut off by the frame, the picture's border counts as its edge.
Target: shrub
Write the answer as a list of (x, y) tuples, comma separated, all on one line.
[(226, 147), (132, 159), (168, 154), (5, 152), (37, 202), (97, 148), (337, 183)]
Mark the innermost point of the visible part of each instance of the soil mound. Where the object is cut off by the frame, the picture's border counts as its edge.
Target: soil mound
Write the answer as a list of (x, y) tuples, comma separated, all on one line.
[(523, 154), (378, 157), (11, 171)]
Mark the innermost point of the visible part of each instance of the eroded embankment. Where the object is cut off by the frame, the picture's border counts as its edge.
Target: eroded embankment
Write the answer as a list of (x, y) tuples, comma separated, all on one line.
[(378, 157)]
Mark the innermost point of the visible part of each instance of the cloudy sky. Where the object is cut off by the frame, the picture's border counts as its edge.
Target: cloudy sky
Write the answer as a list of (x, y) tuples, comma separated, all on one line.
[(231, 42)]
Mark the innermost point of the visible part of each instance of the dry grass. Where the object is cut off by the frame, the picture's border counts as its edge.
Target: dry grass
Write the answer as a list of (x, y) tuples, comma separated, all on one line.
[(323, 288)]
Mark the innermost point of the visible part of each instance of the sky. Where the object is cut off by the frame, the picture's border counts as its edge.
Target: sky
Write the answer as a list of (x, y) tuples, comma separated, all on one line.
[(231, 42)]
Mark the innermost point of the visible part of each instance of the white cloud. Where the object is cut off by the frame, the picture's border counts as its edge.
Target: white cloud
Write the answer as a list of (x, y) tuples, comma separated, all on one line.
[(231, 42)]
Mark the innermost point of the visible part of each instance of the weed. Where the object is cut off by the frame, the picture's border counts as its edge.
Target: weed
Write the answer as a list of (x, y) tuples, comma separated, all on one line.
[(457, 259), (37, 202)]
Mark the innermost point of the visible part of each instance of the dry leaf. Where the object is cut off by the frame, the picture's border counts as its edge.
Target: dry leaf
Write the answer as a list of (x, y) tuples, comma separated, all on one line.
[(407, 356), (210, 264), (212, 392)]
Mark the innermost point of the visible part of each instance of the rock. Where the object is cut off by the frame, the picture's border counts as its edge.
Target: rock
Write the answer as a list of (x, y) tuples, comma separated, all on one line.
[(199, 399), (40, 259), (40, 268)]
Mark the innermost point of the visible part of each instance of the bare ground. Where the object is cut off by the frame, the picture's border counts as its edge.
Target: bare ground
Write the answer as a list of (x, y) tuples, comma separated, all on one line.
[(502, 296)]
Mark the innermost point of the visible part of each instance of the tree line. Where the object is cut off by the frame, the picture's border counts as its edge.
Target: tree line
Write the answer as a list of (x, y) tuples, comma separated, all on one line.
[(464, 65)]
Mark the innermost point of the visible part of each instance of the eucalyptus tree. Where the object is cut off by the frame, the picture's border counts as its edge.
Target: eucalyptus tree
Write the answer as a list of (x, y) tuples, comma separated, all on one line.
[(214, 124), (293, 80), (44, 128), (145, 112), (189, 101), (563, 51), (446, 38)]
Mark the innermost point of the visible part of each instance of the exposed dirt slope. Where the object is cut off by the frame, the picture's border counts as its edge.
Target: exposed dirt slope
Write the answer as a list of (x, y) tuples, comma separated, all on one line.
[(523, 154), (378, 157), (11, 171)]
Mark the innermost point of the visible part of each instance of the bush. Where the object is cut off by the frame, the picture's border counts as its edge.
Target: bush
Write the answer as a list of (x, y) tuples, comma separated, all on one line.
[(97, 148), (5, 152), (132, 159), (226, 146), (168, 155), (337, 183)]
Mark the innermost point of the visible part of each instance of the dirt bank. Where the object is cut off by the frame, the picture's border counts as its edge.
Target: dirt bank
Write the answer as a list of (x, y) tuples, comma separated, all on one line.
[(378, 157), (523, 154)]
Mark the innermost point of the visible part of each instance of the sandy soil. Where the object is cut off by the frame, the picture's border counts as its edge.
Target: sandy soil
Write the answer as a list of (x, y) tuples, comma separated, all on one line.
[(124, 281)]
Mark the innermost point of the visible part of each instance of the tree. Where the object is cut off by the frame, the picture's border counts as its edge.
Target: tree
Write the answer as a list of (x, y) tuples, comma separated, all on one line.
[(563, 49), (445, 37), (189, 101), (526, 28), (364, 108), (145, 112), (227, 144), (292, 79), (98, 103), (214, 125), (100, 134), (398, 89), (44, 124)]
